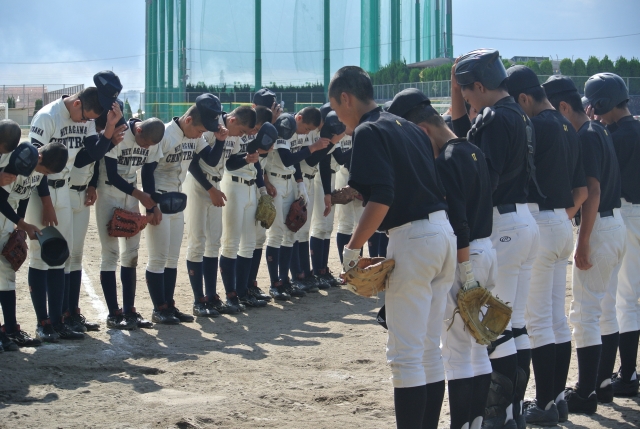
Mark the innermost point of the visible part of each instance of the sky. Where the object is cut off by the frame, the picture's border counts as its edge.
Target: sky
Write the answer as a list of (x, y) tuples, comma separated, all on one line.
[(68, 41)]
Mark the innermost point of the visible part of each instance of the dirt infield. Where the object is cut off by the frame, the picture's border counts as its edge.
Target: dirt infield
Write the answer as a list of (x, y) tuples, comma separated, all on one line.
[(315, 362)]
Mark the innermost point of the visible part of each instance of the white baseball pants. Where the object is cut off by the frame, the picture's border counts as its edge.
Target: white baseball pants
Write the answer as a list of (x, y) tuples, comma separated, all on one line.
[(7, 275), (279, 235), (164, 241), (348, 214), (303, 233), (80, 223), (238, 219), (321, 226), (628, 293), (203, 221)]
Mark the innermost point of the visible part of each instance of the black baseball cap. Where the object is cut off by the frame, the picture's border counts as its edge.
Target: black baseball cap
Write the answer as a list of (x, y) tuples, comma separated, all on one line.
[(102, 119), (266, 137), (23, 160), (520, 78), (557, 84), (210, 109), (286, 126), (332, 126), (264, 97), (406, 100), (481, 65), (109, 87), (325, 109)]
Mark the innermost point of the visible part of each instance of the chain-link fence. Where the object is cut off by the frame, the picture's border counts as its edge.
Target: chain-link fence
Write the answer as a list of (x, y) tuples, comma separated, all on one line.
[(25, 100)]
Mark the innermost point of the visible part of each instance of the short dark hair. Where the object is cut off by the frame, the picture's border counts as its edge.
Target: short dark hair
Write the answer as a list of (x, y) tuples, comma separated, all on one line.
[(428, 114), (152, 130), (194, 113), (623, 105), (263, 115), (536, 92), (572, 98), (246, 116), (90, 100), (10, 134), (54, 156), (352, 80), (311, 115), (470, 87)]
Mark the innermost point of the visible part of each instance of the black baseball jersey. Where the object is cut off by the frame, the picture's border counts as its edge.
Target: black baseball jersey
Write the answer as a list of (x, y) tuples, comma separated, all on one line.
[(465, 176), (600, 162), (558, 161), (626, 142), (392, 163)]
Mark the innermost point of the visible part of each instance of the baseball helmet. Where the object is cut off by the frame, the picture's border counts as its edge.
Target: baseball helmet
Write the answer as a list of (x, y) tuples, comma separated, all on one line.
[(53, 246), (265, 138), (109, 87), (605, 91), (170, 202), (481, 65), (286, 126), (23, 160), (332, 126)]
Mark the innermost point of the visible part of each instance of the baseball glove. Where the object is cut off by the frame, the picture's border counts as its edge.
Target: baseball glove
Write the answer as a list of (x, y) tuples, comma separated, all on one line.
[(494, 320), (126, 224), (369, 276), (297, 215), (15, 250), (266, 211), (343, 196)]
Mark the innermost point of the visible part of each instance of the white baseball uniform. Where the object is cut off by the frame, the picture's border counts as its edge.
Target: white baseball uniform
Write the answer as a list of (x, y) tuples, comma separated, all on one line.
[(628, 308), (348, 214), (78, 182), (321, 226)]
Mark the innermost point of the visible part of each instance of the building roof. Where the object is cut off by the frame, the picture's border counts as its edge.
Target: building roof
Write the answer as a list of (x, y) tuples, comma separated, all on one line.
[(435, 62)]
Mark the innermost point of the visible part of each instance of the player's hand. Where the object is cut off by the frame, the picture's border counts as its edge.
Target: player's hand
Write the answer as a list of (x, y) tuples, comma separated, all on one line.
[(276, 111), (31, 230), (156, 216), (114, 114), (6, 178), (350, 258), (454, 82), (90, 196), (118, 134), (221, 134), (49, 217), (252, 158), (271, 190), (319, 144), (581, 257), (217, 197), (302, 192), (327, 205)]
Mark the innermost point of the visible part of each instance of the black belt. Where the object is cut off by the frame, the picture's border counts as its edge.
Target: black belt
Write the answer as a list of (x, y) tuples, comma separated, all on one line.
[(79, 188), (309, 176), (506, 208), (213, 178), (283, 176), (241, 180), (606, 213), (106, 182), (333, 171), (57, 183)]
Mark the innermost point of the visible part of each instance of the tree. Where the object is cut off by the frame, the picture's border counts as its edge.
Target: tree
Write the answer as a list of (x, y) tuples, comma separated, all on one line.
[(634, 67), (11, 101), (546, 68), (566, 67), (593, 66), (622, 66), (533, 66), (140, 114), (414, 75), (506, 63), (606, 65), (579, 67), (128, 113), (38, 106)]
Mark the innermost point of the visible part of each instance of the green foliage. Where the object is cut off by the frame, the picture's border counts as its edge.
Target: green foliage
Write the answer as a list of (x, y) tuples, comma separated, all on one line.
[(634, 67), (606, 65), (11, 101), (38, 106), (140, 114), (579, 67), (533, 66), (506, 63), (566, 67), (622, 67), (593, 66), (128, 113), (546, 68), (202, 87), (414, 75)]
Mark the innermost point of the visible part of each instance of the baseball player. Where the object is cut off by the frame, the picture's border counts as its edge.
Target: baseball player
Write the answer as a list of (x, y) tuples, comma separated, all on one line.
[(561, 178), (282, 166), (182, 139), (392, 166), (597, 257), (67, 120), (117, 189), (506, 136), (465, 176)]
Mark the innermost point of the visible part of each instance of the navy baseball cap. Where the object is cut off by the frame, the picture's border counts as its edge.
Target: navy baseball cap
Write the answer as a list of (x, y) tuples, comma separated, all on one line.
[(521, 78), (286, 126), (332, 126), (481, 65), (324, 110), (265, 138), (109, 87), (264, 97), (406, 100), (210, 109), (557, 84), (102, 119), (23, 160)]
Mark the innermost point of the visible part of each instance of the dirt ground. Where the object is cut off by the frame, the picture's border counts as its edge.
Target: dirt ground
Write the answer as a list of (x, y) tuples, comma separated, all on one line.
[(315, 362)]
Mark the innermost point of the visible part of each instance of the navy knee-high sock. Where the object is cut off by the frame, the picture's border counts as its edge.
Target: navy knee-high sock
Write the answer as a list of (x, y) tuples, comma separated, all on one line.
[(194, 269), (228, 274), (8, 304), (561, 372), (285, 262), (588, 360), (55, 293), (317, 254), (170, 277), (460, 398), (433, 405), (75, 281), (382, 246), (325, 253), (374, 245), (507, 366), (255, 267), (481, 385), (110, 290), (210, 274), (155, 285), (67, 291), (305, 262), (342, 240), (243, 270), (410, 403), (38, 290), (128, 279), (607, 356), (543, 360), (295, 268), (628, 354), (273, 261)]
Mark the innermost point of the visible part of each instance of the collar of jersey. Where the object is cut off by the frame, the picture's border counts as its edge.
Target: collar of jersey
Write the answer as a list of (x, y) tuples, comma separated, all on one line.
[(174, 129), (65, 112), (367, 115), (629, 118)]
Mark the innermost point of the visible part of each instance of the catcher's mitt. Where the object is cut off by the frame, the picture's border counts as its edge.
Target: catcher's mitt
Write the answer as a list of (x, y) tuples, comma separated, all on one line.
[(126, 224), (15, 250), (369, 276), (494, 320), (297, 215), (343, 196), (266, 211)]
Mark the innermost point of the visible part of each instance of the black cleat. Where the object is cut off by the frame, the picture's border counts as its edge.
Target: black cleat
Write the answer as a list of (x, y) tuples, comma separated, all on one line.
[(65, 333), (605, 394), (79, 319), (182, 317), (292, 289), (535, 415), (119, 321), (321, 283), (250, 301), (45, 332), (578, 404), (222, 307), (258, 293), (622, 388), (328, 278), (22, 339), (308, 285), (563, 411), (164, 316), (7, 344), (203, 309), (137, 318), (278, 292), (232, 299), (73, 324)]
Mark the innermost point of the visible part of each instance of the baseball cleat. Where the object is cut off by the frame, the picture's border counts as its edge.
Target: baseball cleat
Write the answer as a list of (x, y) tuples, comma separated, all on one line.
[(308, 285), (232, 299), (7, 344), (250, 301), (202, 309), (164, 316), (138, 319), (292, 289), (45, 332), (578, 404), (65, 333), (605, 394), (22, 339), (78, 318), (118, 321), (321, 283), (73, 324), (278, 292), (258, 293), (622, 388), (563, 411), (328, 278), (222, 307), (183, 317), (541, 417)]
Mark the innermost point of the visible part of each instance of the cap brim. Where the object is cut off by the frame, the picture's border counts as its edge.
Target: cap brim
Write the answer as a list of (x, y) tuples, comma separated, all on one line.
[(106, 102), (212, 126)]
